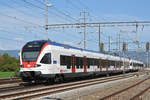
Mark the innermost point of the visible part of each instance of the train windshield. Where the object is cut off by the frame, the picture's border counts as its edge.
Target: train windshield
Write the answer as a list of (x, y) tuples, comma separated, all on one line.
[(31, 50), (30, 56)]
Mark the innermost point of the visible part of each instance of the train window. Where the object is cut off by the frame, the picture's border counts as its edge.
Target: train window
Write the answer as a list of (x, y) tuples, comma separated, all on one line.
[(118, 64), (62, 60), (88, 66), (77, 62), (113, 63), (88, 63), (46, 59), (65, 60), (96, 62), (91, 61), (110, 63), (77, 66), (81, 62), (100, 63), (103, 63), (68, 66), (121, 63), (30, 56), (68, 62)]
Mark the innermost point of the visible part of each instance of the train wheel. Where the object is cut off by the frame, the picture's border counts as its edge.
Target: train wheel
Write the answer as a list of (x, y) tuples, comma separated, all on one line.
[(58, 79), (61, 79), (124, 72), (107, 75), (50, 81)]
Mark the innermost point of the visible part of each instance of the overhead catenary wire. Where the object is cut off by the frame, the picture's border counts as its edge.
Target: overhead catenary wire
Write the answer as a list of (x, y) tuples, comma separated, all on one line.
[(54, 13), (14, 8), (82, 4), (6, 31), (59, 11), (6, 38), (19, 34), (73, 19), (19, 19), (14, 1), (73, 4)]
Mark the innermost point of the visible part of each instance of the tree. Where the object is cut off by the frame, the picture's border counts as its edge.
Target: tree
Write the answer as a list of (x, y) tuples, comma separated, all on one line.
[(9, 64)]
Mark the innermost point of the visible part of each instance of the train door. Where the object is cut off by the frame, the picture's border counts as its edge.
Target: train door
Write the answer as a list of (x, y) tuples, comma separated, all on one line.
[(85, 63), (100, 65), (73, 62)]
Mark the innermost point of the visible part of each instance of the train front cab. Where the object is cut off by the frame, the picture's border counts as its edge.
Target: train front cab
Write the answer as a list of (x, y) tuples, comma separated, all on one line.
[(35, 61)]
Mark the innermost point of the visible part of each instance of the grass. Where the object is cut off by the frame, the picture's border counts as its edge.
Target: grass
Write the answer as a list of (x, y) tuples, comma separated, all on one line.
[(7, 74)]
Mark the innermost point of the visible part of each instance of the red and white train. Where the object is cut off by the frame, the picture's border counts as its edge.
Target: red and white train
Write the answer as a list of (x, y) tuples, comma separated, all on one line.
[(46, 60)]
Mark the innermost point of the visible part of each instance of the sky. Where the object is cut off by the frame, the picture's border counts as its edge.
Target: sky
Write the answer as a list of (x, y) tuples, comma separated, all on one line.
[(23, 20)]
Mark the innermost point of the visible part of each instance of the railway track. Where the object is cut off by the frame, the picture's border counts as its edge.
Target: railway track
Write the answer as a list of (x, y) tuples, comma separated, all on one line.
[(130, 93), (48, 90), (23, 86), (9, 80), (20, 87), (139, 95)]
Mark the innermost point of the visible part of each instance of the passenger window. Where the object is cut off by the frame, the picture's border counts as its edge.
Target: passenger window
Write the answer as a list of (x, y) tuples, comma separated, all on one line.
[(46, 59), (77, 62), (65, 60), (81, 62), (88, 63), (68, 66)]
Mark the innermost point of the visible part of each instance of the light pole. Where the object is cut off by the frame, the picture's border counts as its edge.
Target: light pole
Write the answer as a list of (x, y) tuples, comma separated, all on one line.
[(46, 18)]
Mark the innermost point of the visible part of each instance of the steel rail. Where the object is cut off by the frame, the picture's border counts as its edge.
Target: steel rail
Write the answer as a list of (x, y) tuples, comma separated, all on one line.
[(123, 90), (137, 97), (10, 80)]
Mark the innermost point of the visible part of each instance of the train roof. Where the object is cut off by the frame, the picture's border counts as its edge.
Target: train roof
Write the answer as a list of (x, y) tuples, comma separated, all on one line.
[(60, 44), (71, 47)]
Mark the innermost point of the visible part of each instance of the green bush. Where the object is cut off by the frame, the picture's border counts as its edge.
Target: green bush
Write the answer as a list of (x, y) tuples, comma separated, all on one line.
[(8, 64)]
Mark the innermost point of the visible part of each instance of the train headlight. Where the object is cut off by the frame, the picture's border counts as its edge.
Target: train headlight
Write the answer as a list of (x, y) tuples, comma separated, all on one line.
[(37, 65)]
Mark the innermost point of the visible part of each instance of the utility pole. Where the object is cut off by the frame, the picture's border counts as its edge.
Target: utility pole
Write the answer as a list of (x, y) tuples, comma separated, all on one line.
[(99, 37), (147, 59), (46, 21), (84, 22), (119, 49), (137, 42), (119, 43), (147, 50), (46, 18), (137, 36), (109, 44)]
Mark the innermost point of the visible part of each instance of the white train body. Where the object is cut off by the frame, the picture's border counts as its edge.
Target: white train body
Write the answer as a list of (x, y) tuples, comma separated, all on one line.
[(46, 60)]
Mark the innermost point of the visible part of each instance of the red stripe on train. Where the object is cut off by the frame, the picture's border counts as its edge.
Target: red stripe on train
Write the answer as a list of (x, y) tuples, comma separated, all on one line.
[(73, 64), (85, 63)]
